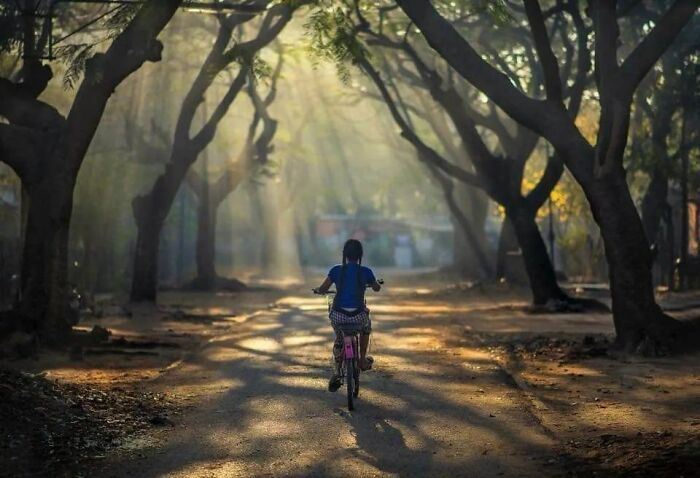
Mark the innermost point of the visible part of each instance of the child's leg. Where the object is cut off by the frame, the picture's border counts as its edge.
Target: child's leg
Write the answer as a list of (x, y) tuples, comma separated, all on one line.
[(335, 380), (364, 343), (338, 351)]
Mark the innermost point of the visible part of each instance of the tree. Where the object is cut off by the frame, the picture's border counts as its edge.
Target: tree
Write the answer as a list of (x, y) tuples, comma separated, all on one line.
[(639, 322), (151, 209), (656, 145), (251, 162), (46, 151), (499, 175)]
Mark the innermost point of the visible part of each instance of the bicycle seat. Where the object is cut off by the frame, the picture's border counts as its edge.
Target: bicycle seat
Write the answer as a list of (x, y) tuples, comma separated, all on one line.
[(350, 329)]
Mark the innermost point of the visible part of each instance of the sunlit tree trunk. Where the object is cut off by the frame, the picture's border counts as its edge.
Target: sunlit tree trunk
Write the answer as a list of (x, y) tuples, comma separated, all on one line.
[(151, 209), (150, 212), (205, 253), (474, 204)]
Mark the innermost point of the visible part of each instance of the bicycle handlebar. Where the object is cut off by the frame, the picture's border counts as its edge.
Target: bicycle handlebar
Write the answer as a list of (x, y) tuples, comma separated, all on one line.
[(331, 292)]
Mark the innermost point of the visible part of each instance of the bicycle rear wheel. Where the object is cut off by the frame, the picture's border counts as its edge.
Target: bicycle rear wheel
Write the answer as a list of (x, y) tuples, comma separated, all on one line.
[(350, 382), (356, 378)]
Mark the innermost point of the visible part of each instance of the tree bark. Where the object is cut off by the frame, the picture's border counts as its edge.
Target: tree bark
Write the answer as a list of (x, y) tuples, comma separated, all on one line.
[(639, 322), (541, 275), (50, 177), (44, 259), (145, 271), (206, 245), (150, 212)]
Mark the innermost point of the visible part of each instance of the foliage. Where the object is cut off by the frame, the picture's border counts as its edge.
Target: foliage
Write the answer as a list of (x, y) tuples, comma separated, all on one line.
[(496, 11), (261, 70), (331, 34), (117, 21), (74, 57)]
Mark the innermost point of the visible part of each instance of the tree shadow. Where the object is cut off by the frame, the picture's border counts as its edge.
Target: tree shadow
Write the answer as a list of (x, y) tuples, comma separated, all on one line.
[(275, 400)]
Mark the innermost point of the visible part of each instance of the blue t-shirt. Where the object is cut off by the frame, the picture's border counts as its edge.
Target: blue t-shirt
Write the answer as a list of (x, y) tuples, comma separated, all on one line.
[(350, 297)]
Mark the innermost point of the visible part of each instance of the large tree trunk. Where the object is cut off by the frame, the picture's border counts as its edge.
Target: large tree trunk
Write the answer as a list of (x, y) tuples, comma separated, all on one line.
[(144, 283), (541, 275), (639, 322), (150, 212), (45, 300), (206, 245), (506, 242)]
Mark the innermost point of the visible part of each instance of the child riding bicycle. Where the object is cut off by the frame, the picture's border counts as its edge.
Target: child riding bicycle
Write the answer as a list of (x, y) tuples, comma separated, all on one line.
[(350, 279)]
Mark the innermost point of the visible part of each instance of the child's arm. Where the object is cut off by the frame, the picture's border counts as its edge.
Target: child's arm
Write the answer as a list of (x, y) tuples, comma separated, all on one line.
[(373, 282), (325, 286)]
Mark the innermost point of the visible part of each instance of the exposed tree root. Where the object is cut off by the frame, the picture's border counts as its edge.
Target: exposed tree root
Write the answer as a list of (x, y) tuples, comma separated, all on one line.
[(665, 337), (568, 304)]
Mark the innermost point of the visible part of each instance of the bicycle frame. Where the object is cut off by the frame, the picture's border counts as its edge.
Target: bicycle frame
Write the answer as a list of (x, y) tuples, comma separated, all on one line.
[(350, 365), (349, 346)]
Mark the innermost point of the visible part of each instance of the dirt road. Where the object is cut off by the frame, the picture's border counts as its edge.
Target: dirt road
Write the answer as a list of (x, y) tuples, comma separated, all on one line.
[(260, 404)]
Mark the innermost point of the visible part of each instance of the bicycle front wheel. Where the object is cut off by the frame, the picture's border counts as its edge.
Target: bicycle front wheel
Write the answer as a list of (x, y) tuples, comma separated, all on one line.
[(350, 382)]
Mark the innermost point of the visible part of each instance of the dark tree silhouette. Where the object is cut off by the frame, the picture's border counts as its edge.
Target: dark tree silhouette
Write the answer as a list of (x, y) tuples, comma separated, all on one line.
[(639, 322), (499, 176), (46, 151)]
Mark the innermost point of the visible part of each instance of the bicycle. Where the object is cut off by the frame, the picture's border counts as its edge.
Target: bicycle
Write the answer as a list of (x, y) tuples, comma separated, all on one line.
[(350, 364)]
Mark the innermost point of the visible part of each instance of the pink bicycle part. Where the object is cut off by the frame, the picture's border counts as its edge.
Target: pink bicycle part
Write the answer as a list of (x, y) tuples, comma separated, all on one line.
[(349, 352)]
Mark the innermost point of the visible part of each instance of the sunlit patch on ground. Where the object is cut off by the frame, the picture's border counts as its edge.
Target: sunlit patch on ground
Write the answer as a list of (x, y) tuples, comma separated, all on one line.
[(262, 344), (437, 398)]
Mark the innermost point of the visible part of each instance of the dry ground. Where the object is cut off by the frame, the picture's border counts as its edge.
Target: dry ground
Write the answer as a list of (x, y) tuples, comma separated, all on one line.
[(467, 383)]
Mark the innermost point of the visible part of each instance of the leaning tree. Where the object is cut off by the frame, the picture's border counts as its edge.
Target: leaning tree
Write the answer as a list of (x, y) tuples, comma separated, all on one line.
[(497, 171), (639, 322), (46, 148), (152, 208), (251, 162)]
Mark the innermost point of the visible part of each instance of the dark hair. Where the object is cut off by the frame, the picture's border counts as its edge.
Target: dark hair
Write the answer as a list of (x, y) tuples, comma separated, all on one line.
[(352, 250)]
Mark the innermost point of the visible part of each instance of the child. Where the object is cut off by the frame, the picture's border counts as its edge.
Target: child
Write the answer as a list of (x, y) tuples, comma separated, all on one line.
[(350, 279)]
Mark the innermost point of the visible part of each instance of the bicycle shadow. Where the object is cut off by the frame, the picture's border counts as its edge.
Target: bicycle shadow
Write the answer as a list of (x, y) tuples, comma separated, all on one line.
[(371, 427)]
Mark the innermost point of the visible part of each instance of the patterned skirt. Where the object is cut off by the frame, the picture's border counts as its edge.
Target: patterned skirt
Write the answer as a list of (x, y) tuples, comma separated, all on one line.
[(341, 321)]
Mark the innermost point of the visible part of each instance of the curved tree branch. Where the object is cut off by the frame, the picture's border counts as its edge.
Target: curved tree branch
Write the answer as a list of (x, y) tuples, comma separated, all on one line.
[(426, 153), (638, 63), (550, 66)]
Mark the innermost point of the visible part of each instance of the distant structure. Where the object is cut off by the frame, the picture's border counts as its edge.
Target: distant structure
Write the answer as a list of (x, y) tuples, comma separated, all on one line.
[(404, 243)]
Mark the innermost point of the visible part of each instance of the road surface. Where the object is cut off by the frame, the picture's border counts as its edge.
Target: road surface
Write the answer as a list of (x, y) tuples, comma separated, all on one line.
[(434, 405)]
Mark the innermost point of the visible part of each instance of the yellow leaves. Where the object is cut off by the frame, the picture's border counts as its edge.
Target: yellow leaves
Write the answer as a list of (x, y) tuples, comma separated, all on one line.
[(568, 200), (587, 121)]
